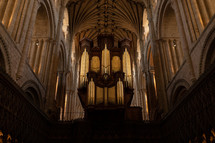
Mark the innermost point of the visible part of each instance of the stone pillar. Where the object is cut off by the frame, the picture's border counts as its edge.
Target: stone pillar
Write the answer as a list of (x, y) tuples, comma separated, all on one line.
[(163, 61), (3, 3), (211, 7), (42, 60), (63, 89), (20, 32), (7, 13), (14, 16), (171, 56), (50, 105), (69, 92), (184, 40), (37, 56), (180, 52), (197, 15), (204, 12), (27, 40), (175, 54), (26, 21), (150, 88), (31, 52), (48, 63), (70, 43), (157, 68), (151, 97)]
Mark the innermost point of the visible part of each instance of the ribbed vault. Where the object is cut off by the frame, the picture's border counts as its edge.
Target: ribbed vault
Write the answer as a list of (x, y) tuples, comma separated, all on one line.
[(122, 18)]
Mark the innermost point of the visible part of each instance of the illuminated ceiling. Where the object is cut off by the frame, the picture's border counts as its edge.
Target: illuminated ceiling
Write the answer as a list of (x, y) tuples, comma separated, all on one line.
[(122, 18)]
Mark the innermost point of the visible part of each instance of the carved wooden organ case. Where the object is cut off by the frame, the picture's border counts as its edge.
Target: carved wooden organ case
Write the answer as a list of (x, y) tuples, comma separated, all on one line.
[(105, 73)]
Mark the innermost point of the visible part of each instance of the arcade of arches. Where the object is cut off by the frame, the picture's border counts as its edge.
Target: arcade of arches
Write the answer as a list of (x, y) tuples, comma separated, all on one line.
[(107, 71)]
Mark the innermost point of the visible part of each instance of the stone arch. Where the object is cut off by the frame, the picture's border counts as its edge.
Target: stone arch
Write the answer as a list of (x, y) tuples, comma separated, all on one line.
[(179, 89), (51, 16), (33, 93), (161, 9), (4, 57), (208, 52), (168, 24), (42, 25), (172, 56), (43, 32)]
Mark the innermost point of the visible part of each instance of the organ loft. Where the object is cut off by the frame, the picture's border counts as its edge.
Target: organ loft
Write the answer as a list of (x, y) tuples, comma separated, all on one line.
[(106, 88)]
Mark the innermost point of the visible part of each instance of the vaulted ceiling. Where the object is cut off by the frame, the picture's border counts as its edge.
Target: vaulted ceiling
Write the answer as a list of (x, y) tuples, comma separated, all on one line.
[(122, 18)]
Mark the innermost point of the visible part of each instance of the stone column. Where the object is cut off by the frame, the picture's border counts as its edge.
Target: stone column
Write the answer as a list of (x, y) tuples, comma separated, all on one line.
[(197, 15), (211, 7), (43, 60), (175, 54), (63, 88), (20, 32), (14, 16), (31, 52), (151, 97), (163, 61), (171, 56), (184, 40), (150, 88), (204, 14), (50, 105), (27, 40), (157, 68), (69, 92), (70, 43), (180, 52), (193, 22), (37, 56), (7, 13), (48, 60), (25, 19), (2, 9)]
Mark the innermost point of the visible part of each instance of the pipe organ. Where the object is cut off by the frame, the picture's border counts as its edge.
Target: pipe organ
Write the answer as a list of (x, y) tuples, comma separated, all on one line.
[(105, 76)]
